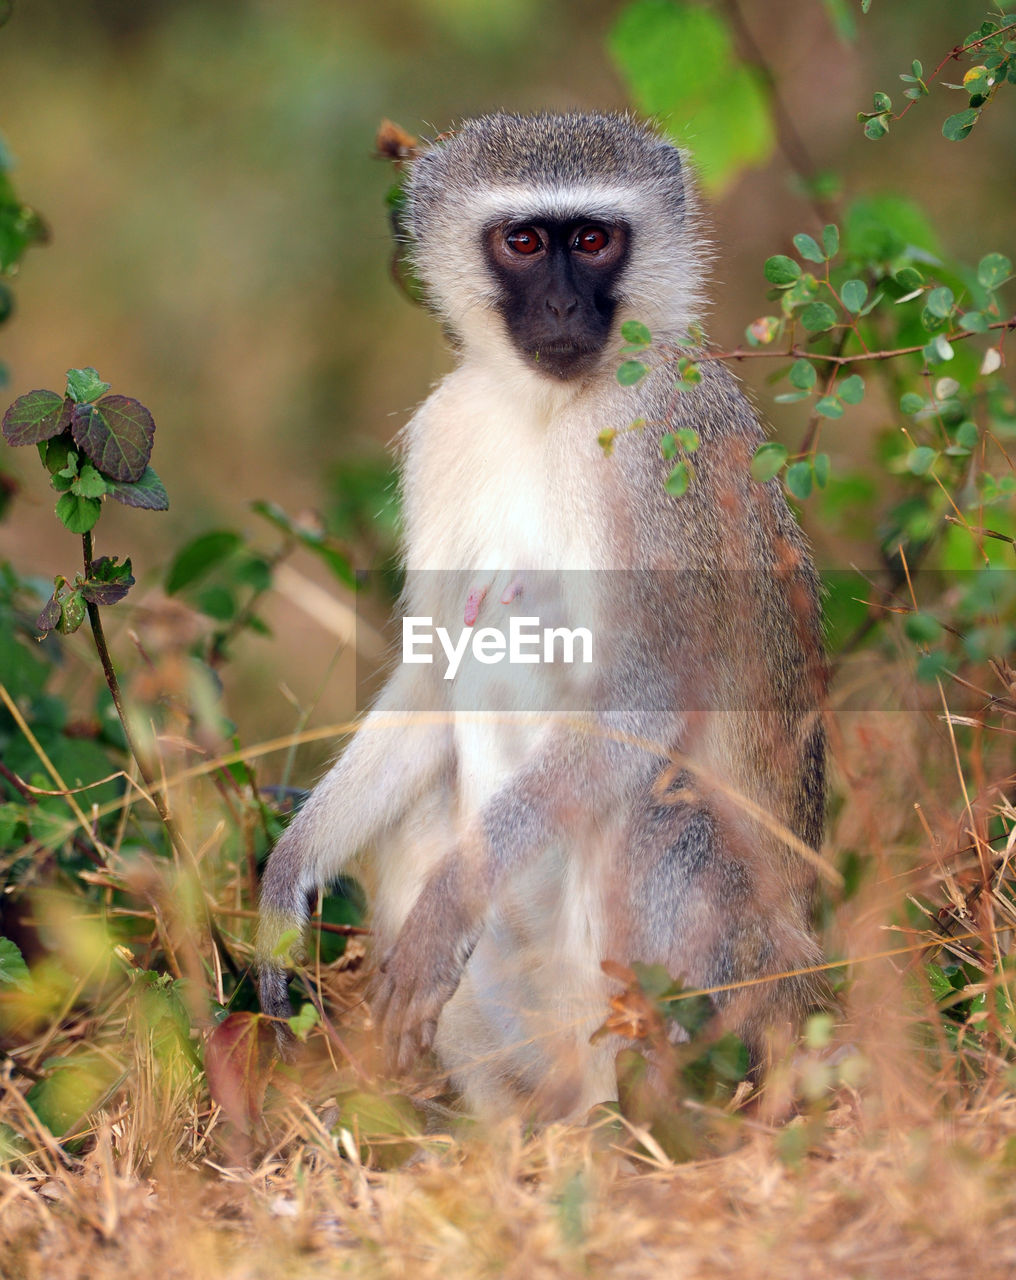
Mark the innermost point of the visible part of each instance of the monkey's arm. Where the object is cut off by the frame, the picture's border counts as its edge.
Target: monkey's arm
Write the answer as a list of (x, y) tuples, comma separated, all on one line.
[(398, 751)]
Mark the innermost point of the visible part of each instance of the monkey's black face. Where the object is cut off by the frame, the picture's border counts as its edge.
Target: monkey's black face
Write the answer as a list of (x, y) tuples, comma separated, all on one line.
[(558, 288)]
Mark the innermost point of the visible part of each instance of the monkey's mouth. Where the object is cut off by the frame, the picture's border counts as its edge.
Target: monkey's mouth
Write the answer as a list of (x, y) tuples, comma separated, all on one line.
[(562, 359)]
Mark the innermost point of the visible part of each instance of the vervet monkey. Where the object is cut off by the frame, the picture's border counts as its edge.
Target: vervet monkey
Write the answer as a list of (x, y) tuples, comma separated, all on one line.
[(656, 805)]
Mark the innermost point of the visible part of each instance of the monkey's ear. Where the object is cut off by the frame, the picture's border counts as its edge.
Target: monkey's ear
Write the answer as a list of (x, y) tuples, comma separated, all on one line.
[(394, 143), (674, 166), (401, 265)]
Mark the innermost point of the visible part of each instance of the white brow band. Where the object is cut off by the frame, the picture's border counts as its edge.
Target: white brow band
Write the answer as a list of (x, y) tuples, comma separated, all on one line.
[(558, 201)]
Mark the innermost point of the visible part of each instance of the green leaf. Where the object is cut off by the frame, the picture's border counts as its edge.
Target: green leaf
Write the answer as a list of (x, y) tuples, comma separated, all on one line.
[(606, 440), (13, 970), (876, 128), (882, 102), (148, 493), (821, 467), (921, 460), (781, 270), (688, 439), (957, 126), (668, 447), (839, 14), (968, 435), (199, 557), (854, 294), (992, 270), (70, 1089), (117, 433), (799, 480), (909, 279), (940, 302), (84, 385), (829, 407), (882, 229), (20, 227), (89, 483), (679, 63), (34, 417), (78, 514), (851, 390), (768, 461), (321, 543), (791, 397), (72, 613), (941, 987), (255, 572), (831, 239), (218, 602), (802, 374), (630, 372), (922, 628), (939, 350), (808, 248), (974, 321), (818, 316), (911, 403), (932, 665), (676, 484), (635, 333), (301, 1023)]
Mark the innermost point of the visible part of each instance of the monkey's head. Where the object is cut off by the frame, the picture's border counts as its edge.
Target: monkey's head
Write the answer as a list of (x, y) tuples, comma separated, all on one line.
[(548, 231)]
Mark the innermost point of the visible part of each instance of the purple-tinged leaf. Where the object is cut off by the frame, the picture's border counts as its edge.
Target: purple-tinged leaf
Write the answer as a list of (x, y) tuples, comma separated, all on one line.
[(238, 1061), (108, 581), (105, 592), (36, 416), (117, 433), (49, 619), (148, 492)]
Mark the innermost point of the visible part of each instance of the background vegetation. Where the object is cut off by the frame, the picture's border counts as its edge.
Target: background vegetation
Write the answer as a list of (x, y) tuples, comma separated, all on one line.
[(215, 244)]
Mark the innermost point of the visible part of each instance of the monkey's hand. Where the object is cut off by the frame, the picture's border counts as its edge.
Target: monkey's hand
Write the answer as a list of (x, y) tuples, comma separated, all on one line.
[(420, 973)]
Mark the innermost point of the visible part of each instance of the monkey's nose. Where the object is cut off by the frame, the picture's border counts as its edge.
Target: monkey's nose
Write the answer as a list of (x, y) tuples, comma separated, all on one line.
[(561, 307)]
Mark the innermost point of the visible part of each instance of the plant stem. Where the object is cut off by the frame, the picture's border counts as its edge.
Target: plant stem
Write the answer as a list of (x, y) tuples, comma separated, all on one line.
[(113, 684), (152, 786), (149, 779)]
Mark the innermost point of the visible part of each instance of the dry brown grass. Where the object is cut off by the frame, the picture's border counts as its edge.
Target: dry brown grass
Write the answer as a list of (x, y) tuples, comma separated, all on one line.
[(866, 1200), (899, 1159)]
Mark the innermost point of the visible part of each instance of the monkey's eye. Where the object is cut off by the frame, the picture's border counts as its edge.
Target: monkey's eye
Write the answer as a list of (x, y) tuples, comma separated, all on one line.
[(591, 240), (525, 240)]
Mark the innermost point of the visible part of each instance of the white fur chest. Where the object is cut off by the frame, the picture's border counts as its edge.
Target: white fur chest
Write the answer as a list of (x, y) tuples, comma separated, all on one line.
[(487, 477), (497, 527)]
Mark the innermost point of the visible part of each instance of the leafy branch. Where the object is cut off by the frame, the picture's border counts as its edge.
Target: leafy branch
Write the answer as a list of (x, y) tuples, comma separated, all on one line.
[(825, 306), (980, 82), (94, 446)]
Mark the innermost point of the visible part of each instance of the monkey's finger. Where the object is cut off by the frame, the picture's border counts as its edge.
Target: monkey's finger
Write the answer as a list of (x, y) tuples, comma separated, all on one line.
[(427, 1032)]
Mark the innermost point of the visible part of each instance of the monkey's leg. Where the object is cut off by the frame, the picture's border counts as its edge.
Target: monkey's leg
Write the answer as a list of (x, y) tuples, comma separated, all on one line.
[(574, 773), (398, 752), (719, 917)]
